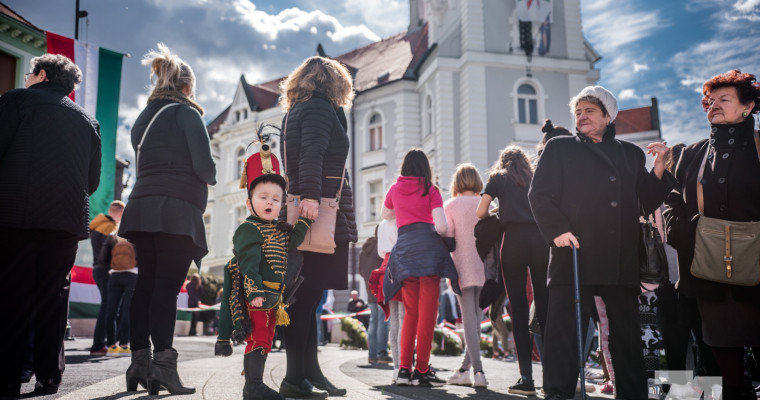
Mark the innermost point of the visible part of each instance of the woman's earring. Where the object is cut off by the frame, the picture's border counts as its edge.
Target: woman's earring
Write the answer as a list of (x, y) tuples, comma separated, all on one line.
[(744, 114)]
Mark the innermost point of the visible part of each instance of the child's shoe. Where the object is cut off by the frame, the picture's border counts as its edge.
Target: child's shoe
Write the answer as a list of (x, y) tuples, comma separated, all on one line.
[(429, 378), (607, 388), (479, 380), (113, 351), (461, 378), (404, 377)]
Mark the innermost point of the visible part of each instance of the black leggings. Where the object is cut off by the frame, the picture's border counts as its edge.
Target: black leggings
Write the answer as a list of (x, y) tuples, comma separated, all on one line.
[(301, 338), (163, 261), (524, 248)]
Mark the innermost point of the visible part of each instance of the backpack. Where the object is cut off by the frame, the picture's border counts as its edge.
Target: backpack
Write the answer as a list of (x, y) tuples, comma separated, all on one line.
[(123, 255)]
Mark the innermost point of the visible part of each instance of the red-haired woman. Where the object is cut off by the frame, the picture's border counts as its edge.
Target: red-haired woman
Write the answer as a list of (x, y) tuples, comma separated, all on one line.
[(730, 313)]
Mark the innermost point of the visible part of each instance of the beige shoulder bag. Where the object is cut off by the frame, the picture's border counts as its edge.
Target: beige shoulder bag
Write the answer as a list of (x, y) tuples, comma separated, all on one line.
[(725, 251), (320, 238)]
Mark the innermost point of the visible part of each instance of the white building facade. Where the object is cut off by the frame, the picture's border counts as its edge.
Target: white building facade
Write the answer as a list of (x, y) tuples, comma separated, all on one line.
[(456, 85)]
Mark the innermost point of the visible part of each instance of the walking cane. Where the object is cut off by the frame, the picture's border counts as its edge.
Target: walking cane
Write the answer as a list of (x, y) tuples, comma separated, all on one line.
[(581, 361)]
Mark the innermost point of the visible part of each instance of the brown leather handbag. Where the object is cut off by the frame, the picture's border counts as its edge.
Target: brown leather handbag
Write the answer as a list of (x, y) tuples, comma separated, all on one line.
[(726, 251), (320, 238)]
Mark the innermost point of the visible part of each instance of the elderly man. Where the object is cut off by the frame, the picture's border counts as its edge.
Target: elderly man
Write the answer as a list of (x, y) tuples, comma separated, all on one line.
[(588, 191), (49, 165)]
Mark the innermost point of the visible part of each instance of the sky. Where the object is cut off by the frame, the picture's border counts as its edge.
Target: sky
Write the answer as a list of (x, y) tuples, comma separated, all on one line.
[(649, 48)]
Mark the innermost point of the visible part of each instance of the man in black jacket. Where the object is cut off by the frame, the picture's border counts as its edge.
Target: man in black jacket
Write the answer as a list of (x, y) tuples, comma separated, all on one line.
[(589, 191), (49, 165)]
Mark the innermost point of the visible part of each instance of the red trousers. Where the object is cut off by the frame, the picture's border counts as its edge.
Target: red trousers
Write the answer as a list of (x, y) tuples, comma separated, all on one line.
[(262, 330), (420, 296)]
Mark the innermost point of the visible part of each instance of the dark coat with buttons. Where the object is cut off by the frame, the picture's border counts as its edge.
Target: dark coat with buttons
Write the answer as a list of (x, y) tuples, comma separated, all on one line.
[(596, 191), (731, 186)]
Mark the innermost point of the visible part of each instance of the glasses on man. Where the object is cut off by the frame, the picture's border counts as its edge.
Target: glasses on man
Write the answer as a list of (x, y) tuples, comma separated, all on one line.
[(27, 75)]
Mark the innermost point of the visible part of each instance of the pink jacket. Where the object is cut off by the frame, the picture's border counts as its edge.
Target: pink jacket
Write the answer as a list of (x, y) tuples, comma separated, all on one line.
[(460, 215)]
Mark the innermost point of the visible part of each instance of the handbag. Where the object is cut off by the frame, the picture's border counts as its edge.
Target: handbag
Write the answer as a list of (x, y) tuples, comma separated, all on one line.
[(320, 238), (725, 251), (653, 262)]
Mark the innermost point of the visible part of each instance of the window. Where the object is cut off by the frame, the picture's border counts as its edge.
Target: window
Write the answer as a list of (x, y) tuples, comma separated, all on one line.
[(375, 132), (527, 104), (241, 213), (207, 225), (245, 113), (428, 116), (375, 190), (237, 116), (240, 162)]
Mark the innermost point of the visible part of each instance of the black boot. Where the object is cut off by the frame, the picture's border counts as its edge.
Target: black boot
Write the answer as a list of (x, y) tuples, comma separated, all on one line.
[(138, 370), (255, 388), (163, 373)]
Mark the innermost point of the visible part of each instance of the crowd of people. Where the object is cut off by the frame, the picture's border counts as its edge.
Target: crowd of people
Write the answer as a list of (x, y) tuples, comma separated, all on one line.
[(586, 191)]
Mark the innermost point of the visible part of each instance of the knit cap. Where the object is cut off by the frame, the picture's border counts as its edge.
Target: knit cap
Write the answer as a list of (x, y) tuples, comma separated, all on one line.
[(600, 93)]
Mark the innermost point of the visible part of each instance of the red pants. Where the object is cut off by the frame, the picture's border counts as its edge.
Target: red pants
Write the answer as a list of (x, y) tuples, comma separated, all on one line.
[(420, 296), (262, 330)]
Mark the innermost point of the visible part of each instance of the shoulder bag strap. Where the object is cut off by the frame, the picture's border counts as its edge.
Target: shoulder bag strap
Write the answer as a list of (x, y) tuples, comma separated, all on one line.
[(145, 133), (700, 192), (285, 159)]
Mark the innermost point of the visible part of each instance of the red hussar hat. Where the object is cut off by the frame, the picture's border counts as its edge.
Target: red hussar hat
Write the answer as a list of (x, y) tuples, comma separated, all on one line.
[(259, 164)]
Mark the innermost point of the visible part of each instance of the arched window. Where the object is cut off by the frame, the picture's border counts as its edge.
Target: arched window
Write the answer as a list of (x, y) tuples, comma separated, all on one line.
[(527, 104), (375, 132), (240, 162)]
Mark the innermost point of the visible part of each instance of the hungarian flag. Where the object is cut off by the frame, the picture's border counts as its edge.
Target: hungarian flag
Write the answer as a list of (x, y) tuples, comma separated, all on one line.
[(533, 10), (99, 95), (545, 39), (84, 297)]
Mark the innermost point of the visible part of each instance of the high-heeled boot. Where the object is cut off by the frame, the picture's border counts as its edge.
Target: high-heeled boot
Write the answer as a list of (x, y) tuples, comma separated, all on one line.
[(163, 373), (138, 370), (255, 388)]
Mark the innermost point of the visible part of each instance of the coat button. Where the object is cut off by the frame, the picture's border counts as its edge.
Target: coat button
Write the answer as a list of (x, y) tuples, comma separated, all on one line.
[(614, 204), (714, 129), (712, 141), (721, 180), (731, 141), (725, 156), (613, 179), (731, 129)]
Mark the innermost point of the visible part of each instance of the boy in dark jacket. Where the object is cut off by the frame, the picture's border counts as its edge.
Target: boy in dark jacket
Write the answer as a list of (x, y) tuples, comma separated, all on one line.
[(252, 300)]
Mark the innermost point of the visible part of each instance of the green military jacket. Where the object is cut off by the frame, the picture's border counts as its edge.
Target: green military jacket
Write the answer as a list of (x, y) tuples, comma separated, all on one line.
[(258, 268)]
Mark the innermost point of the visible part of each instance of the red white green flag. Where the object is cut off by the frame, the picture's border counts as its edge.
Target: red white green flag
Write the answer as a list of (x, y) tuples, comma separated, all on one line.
[(99, 95)]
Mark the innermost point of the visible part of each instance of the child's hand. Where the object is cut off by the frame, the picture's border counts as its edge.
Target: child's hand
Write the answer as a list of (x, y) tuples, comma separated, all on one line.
[(257, 302)]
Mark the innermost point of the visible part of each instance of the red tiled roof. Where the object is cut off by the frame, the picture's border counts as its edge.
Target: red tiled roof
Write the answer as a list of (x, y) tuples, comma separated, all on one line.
[(394, 55), (7, 11), (634, 120), (264, 97)]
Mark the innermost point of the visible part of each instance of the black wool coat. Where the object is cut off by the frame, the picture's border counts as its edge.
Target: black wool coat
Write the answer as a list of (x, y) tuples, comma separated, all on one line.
[(49, 160), (595, 191), (731, 191), (317, 149)]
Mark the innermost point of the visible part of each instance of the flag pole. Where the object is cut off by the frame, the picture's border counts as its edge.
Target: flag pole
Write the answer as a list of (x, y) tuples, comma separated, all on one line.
[(79, 14)]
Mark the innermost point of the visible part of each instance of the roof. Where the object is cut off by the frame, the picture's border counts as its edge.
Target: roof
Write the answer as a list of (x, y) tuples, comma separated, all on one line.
[(634, 120), (373, 65), (5, 10)]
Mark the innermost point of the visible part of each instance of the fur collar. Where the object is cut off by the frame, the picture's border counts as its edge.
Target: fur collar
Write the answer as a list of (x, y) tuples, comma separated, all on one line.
[(175, 96)]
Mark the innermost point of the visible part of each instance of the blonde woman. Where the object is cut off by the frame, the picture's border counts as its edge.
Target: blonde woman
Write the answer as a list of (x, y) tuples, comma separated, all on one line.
[(460, 214), (164, 216), (314, 96), (522, 249)]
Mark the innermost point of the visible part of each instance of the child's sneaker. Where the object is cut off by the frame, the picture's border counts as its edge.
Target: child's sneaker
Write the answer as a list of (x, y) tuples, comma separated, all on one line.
[(607, 388), (125, 351), (404, 377), (461, 378), (480, 380), (113, 351), (429, 378), (523, 386)]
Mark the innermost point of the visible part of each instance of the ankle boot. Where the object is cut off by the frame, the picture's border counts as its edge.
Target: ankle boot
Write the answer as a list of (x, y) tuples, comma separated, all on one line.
[(255, 388), (138, 370), (163, 373)]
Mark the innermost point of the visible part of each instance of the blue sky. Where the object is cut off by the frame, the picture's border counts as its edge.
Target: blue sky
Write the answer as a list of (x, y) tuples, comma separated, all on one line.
[(665, 49)]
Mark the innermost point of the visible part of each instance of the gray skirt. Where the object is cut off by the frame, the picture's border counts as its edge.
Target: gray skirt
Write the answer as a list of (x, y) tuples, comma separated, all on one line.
[(730, 323)]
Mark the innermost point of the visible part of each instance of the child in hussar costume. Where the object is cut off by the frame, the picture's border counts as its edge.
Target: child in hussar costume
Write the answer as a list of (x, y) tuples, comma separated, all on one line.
[(254, 280)]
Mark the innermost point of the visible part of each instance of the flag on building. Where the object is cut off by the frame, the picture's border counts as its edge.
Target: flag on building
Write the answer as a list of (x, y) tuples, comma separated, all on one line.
[(99, 95), (545, 36), (84, 297)]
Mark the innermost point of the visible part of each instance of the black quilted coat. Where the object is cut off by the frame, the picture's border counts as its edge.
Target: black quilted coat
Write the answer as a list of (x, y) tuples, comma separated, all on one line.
[(317, 150), (49, 160)]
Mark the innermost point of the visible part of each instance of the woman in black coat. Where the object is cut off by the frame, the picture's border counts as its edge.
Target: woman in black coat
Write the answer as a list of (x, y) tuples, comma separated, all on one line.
[(316, 145), (164, 216), (588, 191), (731, 187)]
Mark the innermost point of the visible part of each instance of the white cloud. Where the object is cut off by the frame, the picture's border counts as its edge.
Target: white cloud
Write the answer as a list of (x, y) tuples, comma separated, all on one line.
[(384, 17), (747, 6), (627, 94), (612, 28), (640, 67)]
